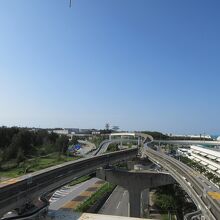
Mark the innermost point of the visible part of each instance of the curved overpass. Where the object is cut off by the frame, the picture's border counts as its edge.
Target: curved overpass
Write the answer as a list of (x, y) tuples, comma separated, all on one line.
[(205, 195), (180, 142), (134, 134), (144, 136), (16, 192), (105, 144)]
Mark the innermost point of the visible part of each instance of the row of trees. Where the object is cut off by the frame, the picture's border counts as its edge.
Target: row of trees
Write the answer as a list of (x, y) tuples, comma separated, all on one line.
[(157, 135), (20, 143), (173, 199)]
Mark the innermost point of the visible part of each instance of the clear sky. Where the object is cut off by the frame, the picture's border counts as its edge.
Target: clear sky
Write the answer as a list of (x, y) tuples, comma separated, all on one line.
[(138, 64)]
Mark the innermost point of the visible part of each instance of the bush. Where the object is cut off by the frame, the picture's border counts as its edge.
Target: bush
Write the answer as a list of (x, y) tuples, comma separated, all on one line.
[(165, 202), (83, 207)]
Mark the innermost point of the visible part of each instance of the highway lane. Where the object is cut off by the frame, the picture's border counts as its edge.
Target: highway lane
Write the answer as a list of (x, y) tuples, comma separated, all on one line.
[(205, 194), (117, 203)]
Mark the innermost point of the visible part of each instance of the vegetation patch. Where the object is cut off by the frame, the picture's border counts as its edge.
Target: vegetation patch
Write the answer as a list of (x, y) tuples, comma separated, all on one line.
[(172, 199), (166, 217), (11, 169), (201, 169), (106, 188), (98, 139), (112, 148), (80, 180), (23, 150)]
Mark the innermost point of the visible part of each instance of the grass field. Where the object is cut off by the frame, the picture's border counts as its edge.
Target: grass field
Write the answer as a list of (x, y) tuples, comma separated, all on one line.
[(11, 170), (80, 180), (166, 217)]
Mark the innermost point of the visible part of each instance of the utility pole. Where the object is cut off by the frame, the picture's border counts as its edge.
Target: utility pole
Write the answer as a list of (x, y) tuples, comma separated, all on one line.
[(70, 4)]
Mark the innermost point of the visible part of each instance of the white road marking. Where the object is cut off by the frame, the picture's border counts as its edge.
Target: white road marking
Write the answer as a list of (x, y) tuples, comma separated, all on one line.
[(118, 204), (66, 190), (128, 209)]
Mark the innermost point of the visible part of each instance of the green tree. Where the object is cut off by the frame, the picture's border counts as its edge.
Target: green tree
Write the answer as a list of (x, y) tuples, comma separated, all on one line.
[(62, 144), (172, 197), (6, 135), (52, 137), (23, 140), (74, 140), (20, 156), (1, 158), (165, 202)]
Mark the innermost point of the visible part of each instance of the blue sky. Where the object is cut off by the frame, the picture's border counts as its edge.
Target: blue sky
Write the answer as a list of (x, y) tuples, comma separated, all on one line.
[(138, 64)]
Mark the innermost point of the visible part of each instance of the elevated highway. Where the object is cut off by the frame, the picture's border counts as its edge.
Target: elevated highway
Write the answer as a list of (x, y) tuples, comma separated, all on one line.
[(205, 195), (145, 137), (134, 134), (105, 144), (17, 192)]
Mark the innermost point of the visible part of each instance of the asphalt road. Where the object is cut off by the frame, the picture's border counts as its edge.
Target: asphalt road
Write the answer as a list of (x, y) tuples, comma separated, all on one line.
[(71, 194), (117, 203)]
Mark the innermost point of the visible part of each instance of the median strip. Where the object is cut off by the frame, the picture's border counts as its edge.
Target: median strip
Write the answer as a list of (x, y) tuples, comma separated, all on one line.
[(94, 202), (84, 196)]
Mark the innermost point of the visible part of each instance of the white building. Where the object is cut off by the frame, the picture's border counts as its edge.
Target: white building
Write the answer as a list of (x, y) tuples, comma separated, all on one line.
[(61, 131), (183, 151), (209, 158), (201, 136)]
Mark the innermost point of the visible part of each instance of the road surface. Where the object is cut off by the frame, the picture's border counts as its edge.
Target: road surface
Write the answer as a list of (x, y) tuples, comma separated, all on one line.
[(117, 203), (70, 194)]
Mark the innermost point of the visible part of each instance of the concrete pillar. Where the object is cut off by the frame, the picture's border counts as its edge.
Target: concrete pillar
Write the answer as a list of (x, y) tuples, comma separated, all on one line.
[(135, 183), (135, 202), (130, 165), (145, 201), (110, 137)]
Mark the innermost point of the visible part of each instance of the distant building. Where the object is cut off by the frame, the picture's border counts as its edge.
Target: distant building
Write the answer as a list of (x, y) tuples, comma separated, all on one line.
[(61, 132), (208, 157), (207, 137), (95, 132), (183, 151), (75, 132)]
